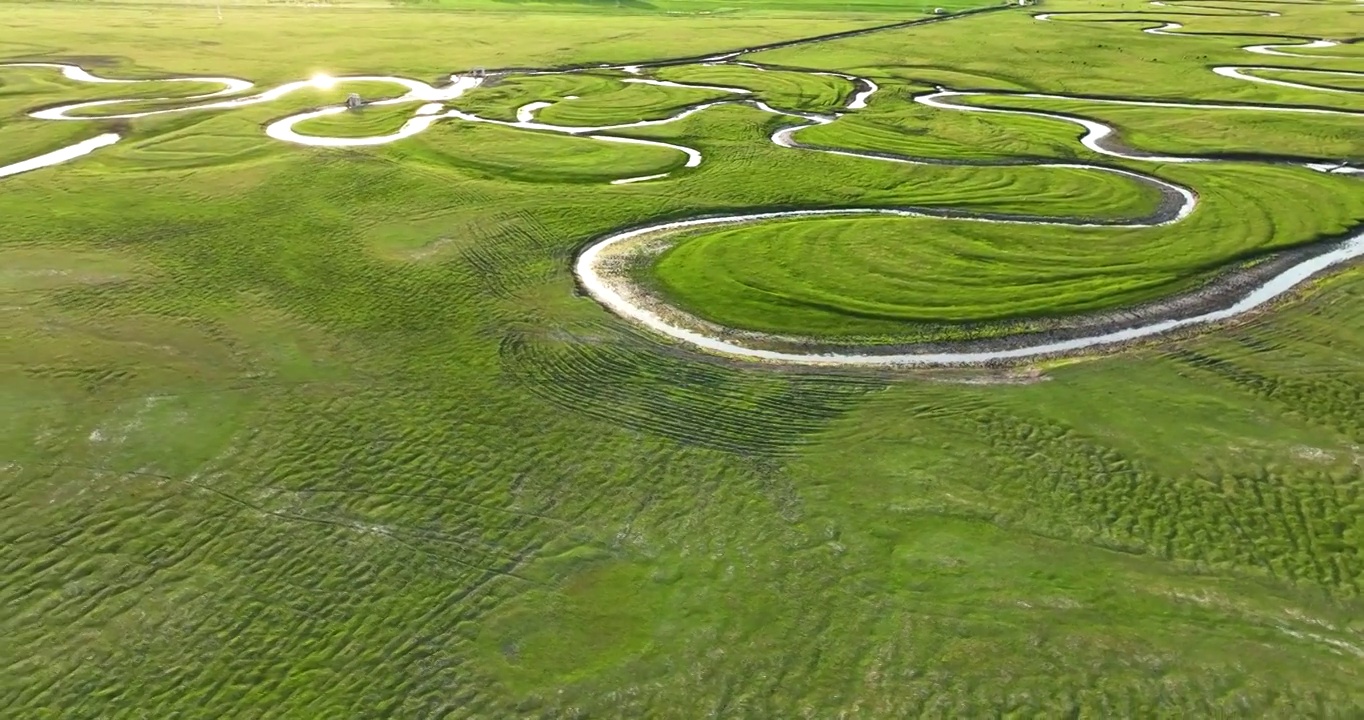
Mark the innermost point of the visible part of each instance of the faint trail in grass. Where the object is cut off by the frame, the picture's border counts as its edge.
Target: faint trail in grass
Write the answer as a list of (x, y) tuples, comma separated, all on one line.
[(1336, 397), (699, 404)]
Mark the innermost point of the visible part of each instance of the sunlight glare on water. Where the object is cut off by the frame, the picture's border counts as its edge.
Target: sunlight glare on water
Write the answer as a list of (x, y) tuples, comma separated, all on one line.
[(323, 81)]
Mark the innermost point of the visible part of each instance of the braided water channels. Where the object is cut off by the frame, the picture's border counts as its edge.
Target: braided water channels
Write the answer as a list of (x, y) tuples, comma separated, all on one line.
[(601, 266)]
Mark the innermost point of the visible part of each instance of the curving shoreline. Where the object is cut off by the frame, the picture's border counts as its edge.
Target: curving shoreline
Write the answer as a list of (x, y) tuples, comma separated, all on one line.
[(1238, 72), (56, 157), (601, 268), (1310, 45), (596, 265), (602, 271)]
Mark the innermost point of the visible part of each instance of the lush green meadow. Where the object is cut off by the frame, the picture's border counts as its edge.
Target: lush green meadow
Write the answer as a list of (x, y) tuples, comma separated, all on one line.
[(880, 279), (797, 91), (583, 100), (895, 123), (305, 432), (270, 43)]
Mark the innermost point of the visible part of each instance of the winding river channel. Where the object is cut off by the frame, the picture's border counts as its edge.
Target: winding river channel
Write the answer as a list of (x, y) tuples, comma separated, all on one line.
[(597, 266)]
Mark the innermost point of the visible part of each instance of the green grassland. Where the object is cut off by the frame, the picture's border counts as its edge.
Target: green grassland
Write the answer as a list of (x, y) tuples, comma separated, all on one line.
[(299, 432), (26, 138), (627, 103), (1322, 80), (272, 43), (598, 99), (894, 123), (744, 170), (1353, 50), (498, 153), (870, 8), (783, 90), (896, 274), (1041, 56), (499, 99), (308, 97), (364, 121), (23, 87), (874, 278), (1202, 132)]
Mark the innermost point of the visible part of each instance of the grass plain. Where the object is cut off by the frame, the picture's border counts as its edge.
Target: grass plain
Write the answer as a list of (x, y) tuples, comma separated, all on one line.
[(783, 90), (628, 103), (315, 433), (879, 279)]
